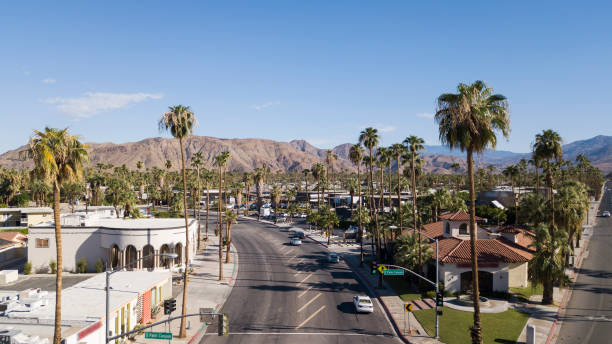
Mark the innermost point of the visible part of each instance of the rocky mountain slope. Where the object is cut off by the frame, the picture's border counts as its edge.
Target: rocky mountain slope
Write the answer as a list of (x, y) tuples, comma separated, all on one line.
[(247, 154)]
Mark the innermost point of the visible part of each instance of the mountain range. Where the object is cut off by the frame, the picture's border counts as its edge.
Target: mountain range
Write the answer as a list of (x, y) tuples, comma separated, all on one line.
[(247, 154)]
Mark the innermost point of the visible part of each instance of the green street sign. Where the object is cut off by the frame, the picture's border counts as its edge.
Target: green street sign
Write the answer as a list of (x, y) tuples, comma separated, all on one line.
[(159, 335), (394, 272)]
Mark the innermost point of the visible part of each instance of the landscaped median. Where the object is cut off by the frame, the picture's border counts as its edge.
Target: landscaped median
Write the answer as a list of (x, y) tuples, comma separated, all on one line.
[(454, 325)]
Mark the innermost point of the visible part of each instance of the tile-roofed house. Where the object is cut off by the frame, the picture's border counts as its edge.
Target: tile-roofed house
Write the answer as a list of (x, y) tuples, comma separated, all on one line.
[(458, 216), (488, 250)]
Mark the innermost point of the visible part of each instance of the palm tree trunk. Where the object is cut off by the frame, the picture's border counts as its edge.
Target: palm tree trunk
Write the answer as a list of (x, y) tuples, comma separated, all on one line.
[(360, 229), (399, 195), (198, 206), (414, 207), (220, 199), (183, 331), (229, 241), (57, 334), (207, 208), (476, 330)]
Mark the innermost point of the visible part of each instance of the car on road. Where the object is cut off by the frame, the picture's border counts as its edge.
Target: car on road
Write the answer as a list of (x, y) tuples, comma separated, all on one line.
[(284, 229), (295, 241), (363, 304), (605, 214), (333, 257), (302, 215)]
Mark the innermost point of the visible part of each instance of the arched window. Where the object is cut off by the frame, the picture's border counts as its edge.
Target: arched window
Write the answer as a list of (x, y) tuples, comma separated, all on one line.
[(148, 263), (463, 229), (178, 249), (165, 261), (448, 230), (130, 257), (115, 256)]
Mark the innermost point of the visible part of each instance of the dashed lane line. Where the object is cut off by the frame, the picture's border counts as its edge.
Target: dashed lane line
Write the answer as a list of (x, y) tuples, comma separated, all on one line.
[(311, 316), (309, 302)]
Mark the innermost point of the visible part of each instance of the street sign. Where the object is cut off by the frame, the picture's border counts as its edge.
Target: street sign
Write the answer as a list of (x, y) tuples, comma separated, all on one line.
[(382, 269), (393, 272), (159, 335), (408, 307)]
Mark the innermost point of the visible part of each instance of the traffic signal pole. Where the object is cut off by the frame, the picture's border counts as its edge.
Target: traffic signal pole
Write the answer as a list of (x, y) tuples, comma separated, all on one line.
[(437, 291)]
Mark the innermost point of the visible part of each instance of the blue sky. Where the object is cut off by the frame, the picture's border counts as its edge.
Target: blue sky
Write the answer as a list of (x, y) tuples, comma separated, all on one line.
[(314, 70)]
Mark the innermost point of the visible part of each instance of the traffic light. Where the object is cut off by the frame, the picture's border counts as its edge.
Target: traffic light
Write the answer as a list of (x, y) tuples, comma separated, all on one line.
[(374, 268), (223, 329), (439, 300), (169, 306)]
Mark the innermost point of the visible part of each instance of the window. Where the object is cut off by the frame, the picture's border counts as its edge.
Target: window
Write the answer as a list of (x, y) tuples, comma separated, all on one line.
[(42, 243), (463, 229), (448, 230)]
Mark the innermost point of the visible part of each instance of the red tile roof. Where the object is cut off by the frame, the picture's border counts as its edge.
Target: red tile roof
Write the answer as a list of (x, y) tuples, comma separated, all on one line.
[(14, 237), (434, 229), (458, 216), (454, 250), (523, 251)]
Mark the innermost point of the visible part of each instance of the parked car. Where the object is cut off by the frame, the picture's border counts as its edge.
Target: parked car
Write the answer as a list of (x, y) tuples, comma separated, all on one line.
[(295, 241), (363, 304), (605, 214), (333, 257), (302, 215)]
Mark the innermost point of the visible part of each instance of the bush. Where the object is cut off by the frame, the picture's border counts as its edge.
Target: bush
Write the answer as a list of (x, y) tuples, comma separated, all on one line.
[(20, 200), (53, 266), (431, 294), (27, 268), (99, 266), (82, 265), (154, 310)]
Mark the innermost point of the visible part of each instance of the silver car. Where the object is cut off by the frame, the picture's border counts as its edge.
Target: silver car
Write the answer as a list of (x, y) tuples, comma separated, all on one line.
[(363, 304)]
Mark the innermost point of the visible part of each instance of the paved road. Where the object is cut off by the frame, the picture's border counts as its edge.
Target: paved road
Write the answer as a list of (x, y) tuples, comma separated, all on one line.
[(286, 294), (588, 316)]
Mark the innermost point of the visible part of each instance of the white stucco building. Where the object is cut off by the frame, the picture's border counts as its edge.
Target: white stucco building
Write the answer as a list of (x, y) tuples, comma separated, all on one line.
[(116, 242)]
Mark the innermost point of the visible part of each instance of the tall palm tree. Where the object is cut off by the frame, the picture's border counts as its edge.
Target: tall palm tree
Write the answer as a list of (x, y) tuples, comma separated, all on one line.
[(318, 172), (356, 157), (230, 219), (168, 165), (306, 172), (369, 138), (398, 150), (247, 179), (382, 157), (275, 195), (547, 147), (197, 160), (259, 175), (208, 177), (221, 161), (139, 164), (512, 172), (469, 120), (58, 159), (414, 145), (179, 121)]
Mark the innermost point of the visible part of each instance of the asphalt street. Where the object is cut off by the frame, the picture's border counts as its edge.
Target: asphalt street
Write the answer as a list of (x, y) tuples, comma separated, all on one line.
[(289, 294), (588, 316)]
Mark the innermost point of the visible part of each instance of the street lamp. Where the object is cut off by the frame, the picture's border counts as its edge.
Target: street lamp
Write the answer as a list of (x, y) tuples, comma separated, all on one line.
[(110, 272)]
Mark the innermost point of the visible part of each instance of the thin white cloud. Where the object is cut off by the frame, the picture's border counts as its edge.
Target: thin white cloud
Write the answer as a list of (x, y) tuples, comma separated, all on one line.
[(98, 102), (383, 128), (425, 115), (260, 107), (48, 81)]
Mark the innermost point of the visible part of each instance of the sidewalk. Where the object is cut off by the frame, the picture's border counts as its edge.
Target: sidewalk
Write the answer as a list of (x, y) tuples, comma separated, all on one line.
[(204, 291)]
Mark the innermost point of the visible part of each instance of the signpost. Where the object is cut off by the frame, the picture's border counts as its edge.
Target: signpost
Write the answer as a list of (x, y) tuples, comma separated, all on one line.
[(407, 309), (159, 335)]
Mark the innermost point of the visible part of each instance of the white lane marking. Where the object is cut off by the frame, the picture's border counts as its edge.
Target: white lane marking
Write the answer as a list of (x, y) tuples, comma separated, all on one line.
[(303, 333), (305, 291), (309, 302), (305, 278), (311, 316)]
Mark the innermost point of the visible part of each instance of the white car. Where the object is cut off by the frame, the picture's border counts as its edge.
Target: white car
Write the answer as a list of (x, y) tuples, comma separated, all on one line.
[(295, 241), (333, 257), (605, 214), (302, 215), (363, 304)]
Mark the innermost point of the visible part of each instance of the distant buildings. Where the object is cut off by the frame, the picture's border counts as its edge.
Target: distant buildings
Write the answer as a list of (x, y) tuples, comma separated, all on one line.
[(12, 247), (24, 217)]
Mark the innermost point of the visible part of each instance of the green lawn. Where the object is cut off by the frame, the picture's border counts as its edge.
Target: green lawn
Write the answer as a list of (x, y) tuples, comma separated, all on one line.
[(454, 325), (528, 291), (403, 288)]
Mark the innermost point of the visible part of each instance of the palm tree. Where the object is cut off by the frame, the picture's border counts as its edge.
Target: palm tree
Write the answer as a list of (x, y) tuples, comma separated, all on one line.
[(221, 161), (275, 195), (208, 177), (398, 150), (318, 172), (469, 120), (230, 219), (139, 164), (410, 249), (369, 138), (440, 199), (547, 266), (169, 163), (197, 160), (58, 159), (247, 179), (512, 172), (329, 161), (356, 157), (258, 177), (414, 145), (179, 121), (382, 155), (547, 147), (306, 172)]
